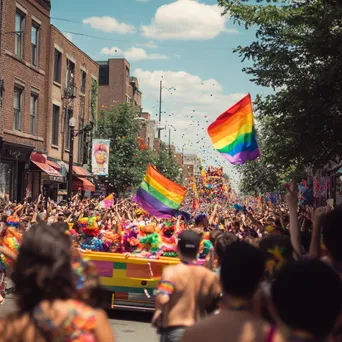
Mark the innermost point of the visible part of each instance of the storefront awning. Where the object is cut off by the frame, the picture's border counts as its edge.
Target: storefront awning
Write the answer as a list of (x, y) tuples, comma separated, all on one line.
[(88, 186), (40, 160), (54, 165), (82, 183), (80, 171)]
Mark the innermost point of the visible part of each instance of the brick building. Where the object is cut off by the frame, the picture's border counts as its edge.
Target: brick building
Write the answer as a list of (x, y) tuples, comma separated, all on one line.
[(72, 84), (116, 84), (2, 63), (148, 130), (34, 104), (24, 66), (191, 167)]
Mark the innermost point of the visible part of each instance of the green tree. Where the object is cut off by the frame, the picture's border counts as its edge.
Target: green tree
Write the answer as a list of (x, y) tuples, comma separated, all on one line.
[(127, 164), (166, 164), (297, 53), (266, 174)]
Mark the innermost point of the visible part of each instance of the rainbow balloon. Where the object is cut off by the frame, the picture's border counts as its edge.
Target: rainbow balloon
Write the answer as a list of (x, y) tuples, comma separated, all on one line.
[(233, 133)]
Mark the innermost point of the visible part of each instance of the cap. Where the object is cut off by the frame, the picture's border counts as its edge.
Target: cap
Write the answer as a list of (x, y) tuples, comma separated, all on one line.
[(188, 240)]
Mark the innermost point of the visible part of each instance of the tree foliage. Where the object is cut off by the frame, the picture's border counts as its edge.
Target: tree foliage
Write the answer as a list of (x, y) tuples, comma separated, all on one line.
[(297, 52), (127, 163), (167, 165), (261, 176)]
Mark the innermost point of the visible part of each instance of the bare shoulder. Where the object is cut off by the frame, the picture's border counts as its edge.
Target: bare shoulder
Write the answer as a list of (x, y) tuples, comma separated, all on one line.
[(101, 315), (209, 274), (169, 271), (103, 331)]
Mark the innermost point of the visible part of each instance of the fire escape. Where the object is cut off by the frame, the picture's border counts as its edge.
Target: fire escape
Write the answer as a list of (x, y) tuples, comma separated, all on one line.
[(69, 95)]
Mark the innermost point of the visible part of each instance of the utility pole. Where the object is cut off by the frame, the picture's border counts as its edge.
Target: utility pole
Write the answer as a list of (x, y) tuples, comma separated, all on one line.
[(160, 108), (170, 141)]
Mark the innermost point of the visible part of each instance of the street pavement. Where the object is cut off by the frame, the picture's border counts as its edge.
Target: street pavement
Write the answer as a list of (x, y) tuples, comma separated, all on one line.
[(128, 326)]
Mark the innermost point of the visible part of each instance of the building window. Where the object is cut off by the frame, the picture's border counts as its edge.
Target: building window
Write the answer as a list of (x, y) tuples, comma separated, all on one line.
[(127, 73), (83, 81), (70, 75), (55, 125), (104, 75), (128, 99), (19, 34), (17, 107), (57, 66), (33, 113), (35, 43)]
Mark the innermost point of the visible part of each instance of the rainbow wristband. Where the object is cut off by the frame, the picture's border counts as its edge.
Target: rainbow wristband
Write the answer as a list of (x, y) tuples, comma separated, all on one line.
[(165, 288)]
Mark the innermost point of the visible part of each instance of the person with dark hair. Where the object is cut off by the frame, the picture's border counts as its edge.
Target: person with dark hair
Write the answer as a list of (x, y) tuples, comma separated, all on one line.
[(332, 237), (223, 241), (306, 301), (87, 280), (46, 291), (241, 272), (186, 292)]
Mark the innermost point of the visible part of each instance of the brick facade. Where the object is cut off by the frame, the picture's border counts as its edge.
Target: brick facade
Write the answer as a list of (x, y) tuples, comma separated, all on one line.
[(2, 62), (26, 72), (21, 73), (80, 104), (116, 84), (27, 46)]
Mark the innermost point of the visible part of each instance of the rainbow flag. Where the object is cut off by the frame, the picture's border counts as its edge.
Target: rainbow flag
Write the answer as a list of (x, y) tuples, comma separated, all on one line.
[(233, 133), (107, 203), (158, 195)]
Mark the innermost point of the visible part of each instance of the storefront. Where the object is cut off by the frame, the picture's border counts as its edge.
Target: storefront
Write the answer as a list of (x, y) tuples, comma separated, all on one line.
[(44, 177), (81, 181), (14, 165)]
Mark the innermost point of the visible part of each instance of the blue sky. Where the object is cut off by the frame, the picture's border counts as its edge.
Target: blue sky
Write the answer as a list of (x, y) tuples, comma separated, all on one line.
[(184, 42)]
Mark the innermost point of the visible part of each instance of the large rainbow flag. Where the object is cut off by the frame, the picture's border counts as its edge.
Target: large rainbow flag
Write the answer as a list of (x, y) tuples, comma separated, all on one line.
[(233, 133), (158, 195)]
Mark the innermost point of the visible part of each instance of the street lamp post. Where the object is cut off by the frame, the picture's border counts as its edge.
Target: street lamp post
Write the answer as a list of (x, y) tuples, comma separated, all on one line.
[(72, 124)]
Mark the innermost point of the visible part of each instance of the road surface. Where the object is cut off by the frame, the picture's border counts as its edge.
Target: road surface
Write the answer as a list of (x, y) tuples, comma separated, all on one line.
[(127, 326)]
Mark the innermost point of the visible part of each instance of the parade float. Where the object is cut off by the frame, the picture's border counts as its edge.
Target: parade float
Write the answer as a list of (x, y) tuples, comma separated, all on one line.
[(131, 282), (130, 264), (130, 261)]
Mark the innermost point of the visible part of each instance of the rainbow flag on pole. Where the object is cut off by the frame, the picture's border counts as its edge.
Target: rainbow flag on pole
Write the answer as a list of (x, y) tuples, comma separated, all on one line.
[(158, 195), (233, 133)]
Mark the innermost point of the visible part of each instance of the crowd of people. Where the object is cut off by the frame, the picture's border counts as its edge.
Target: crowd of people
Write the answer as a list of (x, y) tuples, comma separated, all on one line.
[(257, 271)]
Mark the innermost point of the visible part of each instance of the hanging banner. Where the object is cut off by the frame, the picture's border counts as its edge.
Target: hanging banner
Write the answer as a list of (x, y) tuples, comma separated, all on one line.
[(100, 157)]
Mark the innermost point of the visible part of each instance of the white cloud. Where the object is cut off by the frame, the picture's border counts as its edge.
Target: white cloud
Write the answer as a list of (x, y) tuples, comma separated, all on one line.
[(68, 35), (111, 51), (109, 24), (133, 54), (149, 45), (191, 104), (138, 54), (186, 20)]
